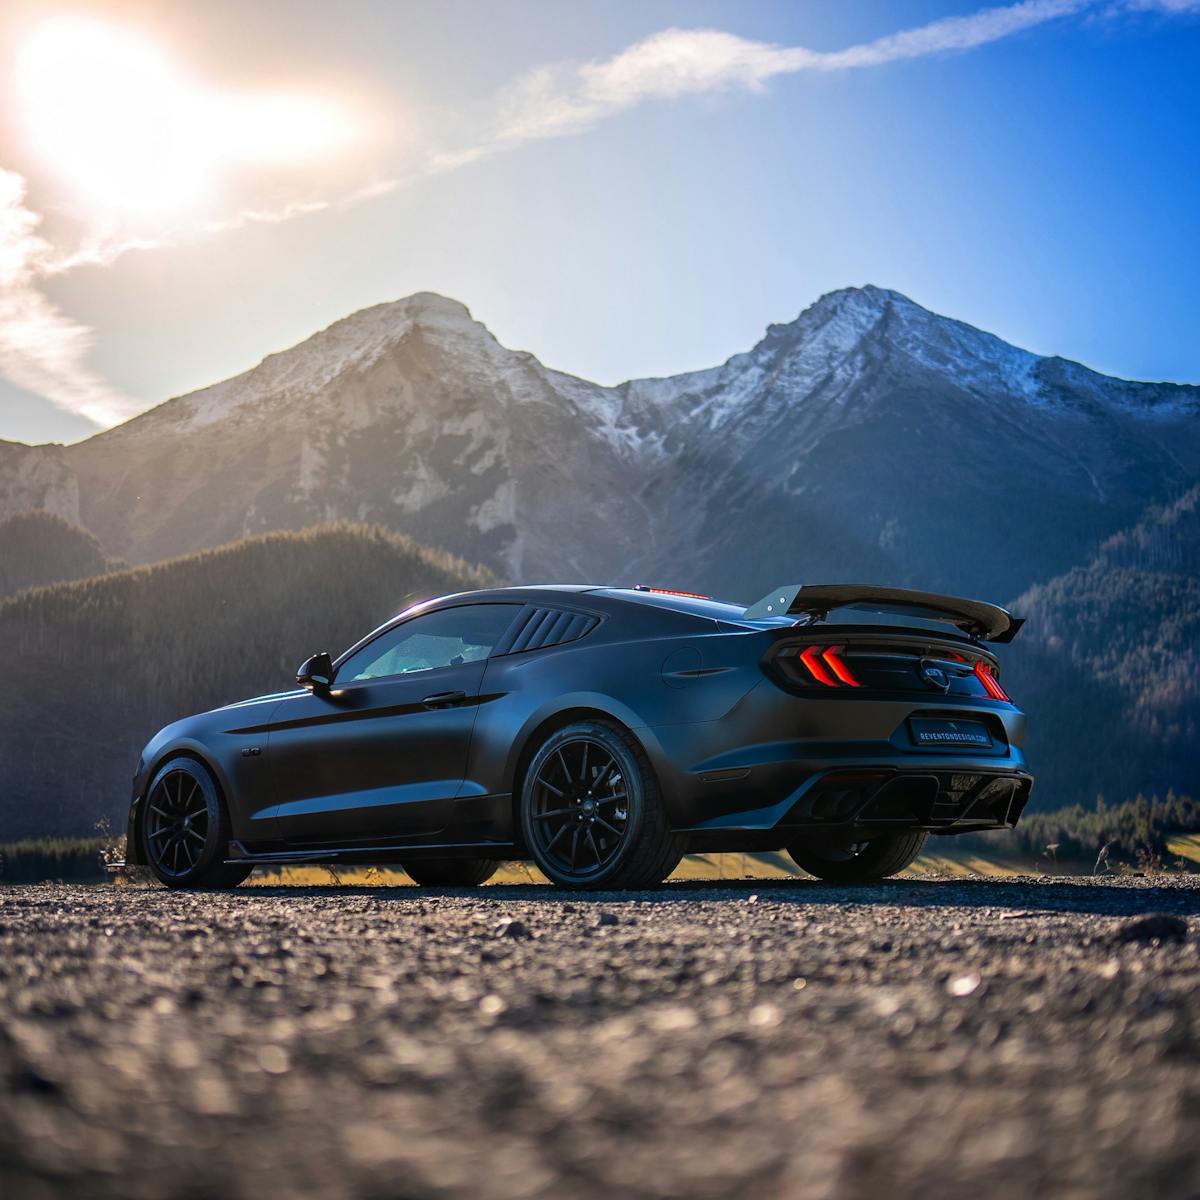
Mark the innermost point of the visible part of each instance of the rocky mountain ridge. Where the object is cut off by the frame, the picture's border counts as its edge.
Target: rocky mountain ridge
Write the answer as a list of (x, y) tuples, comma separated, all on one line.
[(868, 439)]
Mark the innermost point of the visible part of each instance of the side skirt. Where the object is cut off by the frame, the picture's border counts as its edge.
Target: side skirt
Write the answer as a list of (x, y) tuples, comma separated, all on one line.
[(368, 855)]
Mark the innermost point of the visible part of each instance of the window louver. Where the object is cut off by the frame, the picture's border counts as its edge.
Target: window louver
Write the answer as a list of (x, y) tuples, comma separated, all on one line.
[(540, 627)]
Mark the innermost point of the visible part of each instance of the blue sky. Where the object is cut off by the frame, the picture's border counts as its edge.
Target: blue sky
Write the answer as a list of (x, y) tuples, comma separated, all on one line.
[(1031, 170)]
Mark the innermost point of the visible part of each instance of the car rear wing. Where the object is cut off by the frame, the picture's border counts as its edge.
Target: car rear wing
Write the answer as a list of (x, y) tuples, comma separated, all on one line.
[(986, 621)]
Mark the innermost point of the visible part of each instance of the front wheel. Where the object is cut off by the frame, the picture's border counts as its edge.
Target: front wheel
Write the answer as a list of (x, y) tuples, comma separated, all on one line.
[(859, 862), (185, 829), (450, 872), (591, 813)]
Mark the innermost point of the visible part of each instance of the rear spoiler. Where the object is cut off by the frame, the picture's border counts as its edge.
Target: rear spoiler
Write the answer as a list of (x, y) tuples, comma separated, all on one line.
[(986, 621)]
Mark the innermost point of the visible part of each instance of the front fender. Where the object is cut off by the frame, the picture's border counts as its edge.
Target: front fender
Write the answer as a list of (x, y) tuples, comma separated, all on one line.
[(163, 747)]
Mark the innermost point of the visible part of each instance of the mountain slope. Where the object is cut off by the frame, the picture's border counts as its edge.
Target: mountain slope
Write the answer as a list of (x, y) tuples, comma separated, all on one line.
[(1109, 664), (867, 439), (39, 547), (409, 414), (871, 438), (37, 477), (127, 652)]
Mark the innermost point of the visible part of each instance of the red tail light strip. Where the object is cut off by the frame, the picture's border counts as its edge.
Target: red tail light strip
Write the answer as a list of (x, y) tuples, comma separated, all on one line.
[(827, 667), (833, 656), (810, 659), (818, 658), (985, 673)]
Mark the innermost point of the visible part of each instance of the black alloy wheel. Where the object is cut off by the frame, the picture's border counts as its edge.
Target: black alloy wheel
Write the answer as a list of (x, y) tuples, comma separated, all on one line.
[(185, 829), (591, 813)]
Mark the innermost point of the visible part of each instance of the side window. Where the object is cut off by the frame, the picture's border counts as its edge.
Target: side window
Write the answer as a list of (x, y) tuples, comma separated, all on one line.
[(446, 638)]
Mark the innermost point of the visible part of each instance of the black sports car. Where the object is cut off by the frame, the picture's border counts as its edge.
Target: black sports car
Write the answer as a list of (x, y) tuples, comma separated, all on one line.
[(603, 733)]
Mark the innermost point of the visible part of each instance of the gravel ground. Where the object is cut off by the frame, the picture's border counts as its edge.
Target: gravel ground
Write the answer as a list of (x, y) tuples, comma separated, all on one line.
[(778, 1039)]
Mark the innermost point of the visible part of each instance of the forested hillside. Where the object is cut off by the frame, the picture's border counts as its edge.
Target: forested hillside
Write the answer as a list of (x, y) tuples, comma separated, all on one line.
[(1108, 667), (93, 668), (40, 547)]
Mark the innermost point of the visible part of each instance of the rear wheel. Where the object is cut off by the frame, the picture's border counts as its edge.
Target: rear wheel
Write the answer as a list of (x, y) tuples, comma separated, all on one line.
[(591, 812), (859, 862), (450, 872), (185, 829)]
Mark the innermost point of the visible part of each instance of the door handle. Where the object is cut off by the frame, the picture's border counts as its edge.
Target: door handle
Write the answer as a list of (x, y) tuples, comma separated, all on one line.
[(443, 699)]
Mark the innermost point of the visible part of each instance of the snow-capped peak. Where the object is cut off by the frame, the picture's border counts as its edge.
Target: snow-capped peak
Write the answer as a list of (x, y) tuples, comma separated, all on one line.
[(304, 370)]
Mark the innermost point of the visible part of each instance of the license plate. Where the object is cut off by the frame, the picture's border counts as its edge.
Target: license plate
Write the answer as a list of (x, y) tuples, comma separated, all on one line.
[(950, 735)]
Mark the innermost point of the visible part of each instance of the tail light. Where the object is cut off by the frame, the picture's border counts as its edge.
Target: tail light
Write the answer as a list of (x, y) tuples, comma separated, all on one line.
[(827, 666), (986, 674)]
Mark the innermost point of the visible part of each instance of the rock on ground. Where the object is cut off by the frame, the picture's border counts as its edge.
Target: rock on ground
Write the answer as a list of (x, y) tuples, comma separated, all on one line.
[(777, 1039)]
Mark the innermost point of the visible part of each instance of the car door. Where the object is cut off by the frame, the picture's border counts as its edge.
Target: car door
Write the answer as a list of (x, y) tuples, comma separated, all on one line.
[(382, 756)]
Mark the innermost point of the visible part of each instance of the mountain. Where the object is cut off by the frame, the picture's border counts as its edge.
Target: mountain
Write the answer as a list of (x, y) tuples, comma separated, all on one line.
[(869, 439), (1109, 663), (39, 547), (129, 651)]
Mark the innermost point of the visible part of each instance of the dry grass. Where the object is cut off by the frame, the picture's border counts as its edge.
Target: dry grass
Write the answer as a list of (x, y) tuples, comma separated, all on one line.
[(1186, 846), (695, 866)]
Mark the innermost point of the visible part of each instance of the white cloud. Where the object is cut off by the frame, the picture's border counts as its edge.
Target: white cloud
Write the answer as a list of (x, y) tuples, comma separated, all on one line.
[(554, 100), (41, 349)]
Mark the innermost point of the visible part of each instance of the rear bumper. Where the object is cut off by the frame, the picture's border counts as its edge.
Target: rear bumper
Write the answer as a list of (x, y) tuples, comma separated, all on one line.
[(941, 798), (839, 766), (941, 801)]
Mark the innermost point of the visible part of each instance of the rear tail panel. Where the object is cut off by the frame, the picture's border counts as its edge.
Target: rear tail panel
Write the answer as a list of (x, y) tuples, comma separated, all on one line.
[(870, 661)]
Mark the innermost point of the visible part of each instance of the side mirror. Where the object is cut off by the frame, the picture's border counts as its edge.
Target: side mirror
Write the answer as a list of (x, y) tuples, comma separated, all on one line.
[(316, 674)]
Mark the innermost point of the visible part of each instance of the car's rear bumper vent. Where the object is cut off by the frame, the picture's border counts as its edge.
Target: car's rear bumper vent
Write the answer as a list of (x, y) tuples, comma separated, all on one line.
[(924, 799)]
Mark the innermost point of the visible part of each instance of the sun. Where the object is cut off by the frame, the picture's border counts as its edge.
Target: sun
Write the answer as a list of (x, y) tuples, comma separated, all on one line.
[(129, 132)]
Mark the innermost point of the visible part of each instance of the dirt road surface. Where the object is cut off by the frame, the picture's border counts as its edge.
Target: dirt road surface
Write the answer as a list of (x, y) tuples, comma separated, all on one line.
[(922, 1038)]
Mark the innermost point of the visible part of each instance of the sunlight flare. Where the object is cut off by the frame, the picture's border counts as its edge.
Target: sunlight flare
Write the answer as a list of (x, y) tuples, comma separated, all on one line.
[(129, 132)]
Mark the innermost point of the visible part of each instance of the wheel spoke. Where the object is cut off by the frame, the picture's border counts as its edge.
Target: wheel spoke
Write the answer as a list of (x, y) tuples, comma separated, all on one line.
[(610, 799), (574, 844), (592, 842), (583, 775), (566, 770), (549, 787), (192, 833), (162, 813), (160, 833), (554, 812), (605, 825), (561, 830)]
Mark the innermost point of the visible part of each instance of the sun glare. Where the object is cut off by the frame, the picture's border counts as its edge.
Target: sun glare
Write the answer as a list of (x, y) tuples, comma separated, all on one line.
[(128, 131)]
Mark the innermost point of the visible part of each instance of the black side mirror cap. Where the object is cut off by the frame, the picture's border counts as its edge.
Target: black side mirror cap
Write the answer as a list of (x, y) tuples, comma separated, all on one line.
[(316, 674)]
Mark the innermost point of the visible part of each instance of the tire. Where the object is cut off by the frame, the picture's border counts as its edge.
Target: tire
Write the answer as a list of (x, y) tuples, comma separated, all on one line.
[(591, 812), (450, 872), (860, 862), (185, 829)]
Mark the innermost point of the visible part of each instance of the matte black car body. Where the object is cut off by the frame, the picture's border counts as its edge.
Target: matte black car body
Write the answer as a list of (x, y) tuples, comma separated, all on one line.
[(749, 750)]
